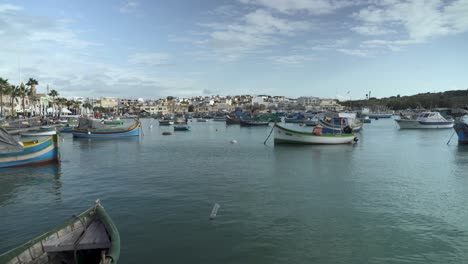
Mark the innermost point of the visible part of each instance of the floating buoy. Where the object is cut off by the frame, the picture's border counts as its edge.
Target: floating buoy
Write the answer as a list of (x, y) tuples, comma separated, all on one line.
[(233, 141), (214, 212), (151, 127), (63, 139), (356, 139)]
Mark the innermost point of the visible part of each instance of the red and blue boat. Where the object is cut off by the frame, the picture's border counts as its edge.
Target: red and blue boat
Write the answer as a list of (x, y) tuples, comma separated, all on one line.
[(25, 153)]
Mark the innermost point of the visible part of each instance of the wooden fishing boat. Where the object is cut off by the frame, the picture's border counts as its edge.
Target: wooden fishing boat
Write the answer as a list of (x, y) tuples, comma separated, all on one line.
[(85, 130), (66, 129), (14, 154), (113, 122), (250, 123), (181, 128), (166, 122), (90, 237), (232, 120), (38, 133), (283, 135)]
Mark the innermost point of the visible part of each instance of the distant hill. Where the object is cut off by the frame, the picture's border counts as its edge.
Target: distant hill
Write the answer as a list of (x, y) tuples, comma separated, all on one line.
[(449, 99)]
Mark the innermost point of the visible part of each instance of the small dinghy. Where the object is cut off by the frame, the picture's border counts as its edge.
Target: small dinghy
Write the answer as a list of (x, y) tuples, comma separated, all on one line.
[(90, 237)]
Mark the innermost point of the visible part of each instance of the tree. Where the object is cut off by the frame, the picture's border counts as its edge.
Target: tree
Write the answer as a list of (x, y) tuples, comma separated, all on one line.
[(32, 86), (23, 91), (13, 92), (53, 93), (3, 87)]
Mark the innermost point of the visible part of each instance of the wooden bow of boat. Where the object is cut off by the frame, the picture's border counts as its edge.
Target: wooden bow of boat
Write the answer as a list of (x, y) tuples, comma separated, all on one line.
[(90, 237)]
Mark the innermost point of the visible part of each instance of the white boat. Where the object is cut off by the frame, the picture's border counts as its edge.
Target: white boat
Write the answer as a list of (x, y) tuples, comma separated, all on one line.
[(284, 135), (425, 120), (38, 133)]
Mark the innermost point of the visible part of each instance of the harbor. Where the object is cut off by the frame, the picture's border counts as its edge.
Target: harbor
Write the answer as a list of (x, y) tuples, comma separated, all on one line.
[(159, 191)]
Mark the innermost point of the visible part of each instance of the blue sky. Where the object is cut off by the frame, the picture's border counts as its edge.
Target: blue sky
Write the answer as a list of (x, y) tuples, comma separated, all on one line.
[(295, 48)]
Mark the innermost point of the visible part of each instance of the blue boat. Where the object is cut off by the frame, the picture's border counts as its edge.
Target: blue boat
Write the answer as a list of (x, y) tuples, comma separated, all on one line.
[(87, 129), (461, 128), (15, 154)]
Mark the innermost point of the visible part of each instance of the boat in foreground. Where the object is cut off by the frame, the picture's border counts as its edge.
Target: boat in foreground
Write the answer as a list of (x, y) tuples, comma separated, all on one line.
[(24, 153), (425, 120), (90, 237), (461, 128), (91, 129), (283, 135)]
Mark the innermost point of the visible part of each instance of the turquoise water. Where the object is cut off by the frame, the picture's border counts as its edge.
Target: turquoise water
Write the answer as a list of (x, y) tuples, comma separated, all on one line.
[(395, 197)]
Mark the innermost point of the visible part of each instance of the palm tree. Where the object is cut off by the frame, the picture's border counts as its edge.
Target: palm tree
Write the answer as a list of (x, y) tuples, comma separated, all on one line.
[(3, 87), (87, 106), (54, 94), (13, 91), (32, 85), (23, 92), (77, 106), (60, 102)]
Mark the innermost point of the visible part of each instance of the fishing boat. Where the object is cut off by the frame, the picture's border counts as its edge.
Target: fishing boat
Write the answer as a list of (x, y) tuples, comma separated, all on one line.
[(90, 237), (219, 118), (379, 115), (295, 118), (89, 128), (461, 128), (341, 122), (66, 129), (165, 122), (283, 135), (425, 120), (181, 128), (231, 120), (251, 122), (38, 133), (14, 153), (115, 122)]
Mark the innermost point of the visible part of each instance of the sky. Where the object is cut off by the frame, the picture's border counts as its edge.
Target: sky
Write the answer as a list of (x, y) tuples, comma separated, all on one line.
[(150, 49)]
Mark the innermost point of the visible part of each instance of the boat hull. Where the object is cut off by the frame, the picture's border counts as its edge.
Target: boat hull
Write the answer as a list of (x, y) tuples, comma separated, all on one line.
[(43, 250), (33, 153), (39, 133), (253, 123), (132, 132), (284, 135), (415, 124), (232, 121), (462, 132)]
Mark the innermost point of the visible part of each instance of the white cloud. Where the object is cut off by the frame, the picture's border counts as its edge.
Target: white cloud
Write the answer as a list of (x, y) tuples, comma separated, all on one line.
[(309, 6), (418, 20), (254, 30), (355, 52), (290, 60), (9, 7), (149, 59), (128, 6)]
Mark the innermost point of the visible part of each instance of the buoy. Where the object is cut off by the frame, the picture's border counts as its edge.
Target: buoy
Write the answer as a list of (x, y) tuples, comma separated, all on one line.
[(214, 212), (233, 141), (89, 132), (356, 139), (151, 127)]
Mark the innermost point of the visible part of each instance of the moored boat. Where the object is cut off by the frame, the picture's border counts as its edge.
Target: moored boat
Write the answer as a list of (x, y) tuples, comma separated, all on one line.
[(230, 120), (461, 128), (90, 237), (91, 129), (425, 120), (201, 120), (219, 118), (13, 153), (379, 115), (253, 123), (166, 122), (38, 133), (181, 128), (283, 135)]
